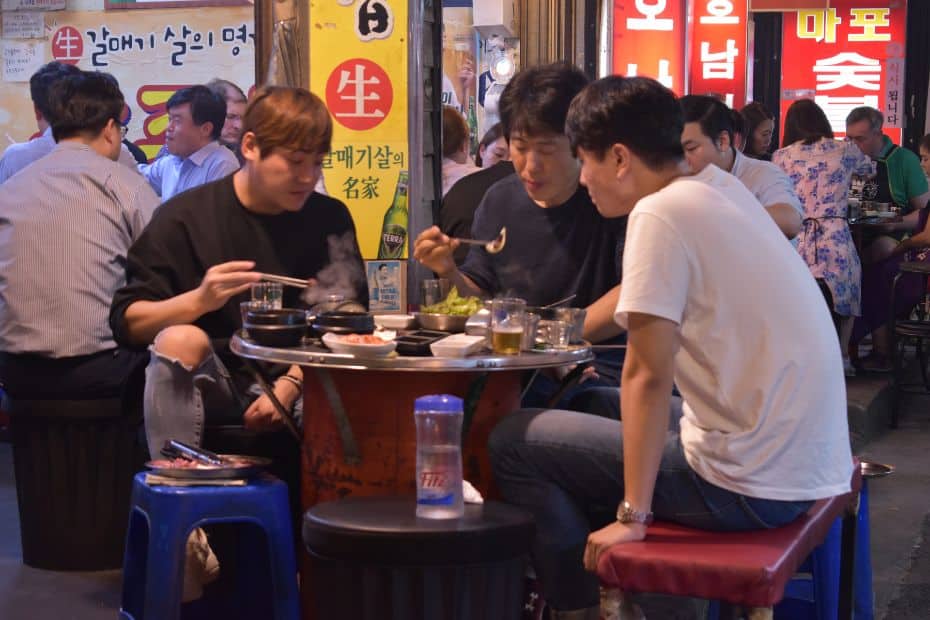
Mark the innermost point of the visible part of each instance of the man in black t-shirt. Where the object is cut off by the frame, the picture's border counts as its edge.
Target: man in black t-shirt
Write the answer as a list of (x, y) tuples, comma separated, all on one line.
[(557, 242), (205, 248)]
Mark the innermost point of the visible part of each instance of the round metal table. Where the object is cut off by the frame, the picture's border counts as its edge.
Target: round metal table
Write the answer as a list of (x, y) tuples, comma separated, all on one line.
[(359, 436)]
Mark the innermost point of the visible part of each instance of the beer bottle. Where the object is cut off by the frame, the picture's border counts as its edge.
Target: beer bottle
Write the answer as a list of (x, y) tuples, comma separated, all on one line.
[(394, 230)]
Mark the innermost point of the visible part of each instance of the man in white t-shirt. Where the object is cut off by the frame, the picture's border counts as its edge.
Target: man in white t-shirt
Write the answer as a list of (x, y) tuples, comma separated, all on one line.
[(714, 302), (707, 138)]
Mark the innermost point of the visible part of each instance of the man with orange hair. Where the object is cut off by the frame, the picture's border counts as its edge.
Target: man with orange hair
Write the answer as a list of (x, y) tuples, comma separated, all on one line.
[(204, 249)]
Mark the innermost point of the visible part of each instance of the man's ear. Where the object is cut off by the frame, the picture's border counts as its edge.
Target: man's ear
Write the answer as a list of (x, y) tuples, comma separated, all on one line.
[(206, 130), (621, 155), (724, 141), (249, 147)]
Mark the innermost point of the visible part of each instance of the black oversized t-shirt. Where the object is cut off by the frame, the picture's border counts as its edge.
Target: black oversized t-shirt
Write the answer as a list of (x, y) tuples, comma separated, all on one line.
[(208, 225), (550, 253)]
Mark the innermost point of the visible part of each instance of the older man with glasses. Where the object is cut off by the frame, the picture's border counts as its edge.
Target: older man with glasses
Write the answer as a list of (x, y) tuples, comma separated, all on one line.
[(898, 179)]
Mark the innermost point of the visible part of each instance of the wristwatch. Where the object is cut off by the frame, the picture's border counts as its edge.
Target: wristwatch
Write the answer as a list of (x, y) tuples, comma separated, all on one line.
[(627, 514)]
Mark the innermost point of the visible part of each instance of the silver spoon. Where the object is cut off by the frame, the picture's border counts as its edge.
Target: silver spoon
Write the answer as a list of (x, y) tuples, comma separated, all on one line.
[(492, 247)]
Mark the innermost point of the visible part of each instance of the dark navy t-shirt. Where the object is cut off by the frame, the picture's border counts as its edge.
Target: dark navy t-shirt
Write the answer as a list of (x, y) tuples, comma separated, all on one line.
[(550, 253)]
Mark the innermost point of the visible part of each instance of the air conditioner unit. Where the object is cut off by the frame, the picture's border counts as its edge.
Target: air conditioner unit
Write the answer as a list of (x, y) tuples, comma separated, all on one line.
[(495, 17)]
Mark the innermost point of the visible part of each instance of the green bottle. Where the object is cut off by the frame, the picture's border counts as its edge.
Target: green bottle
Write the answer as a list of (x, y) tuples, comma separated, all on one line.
[(394, 229)]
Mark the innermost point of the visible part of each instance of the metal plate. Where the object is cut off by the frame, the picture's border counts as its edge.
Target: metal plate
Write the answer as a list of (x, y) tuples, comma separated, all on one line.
[(250, 466), (874, 470), (322, 358)]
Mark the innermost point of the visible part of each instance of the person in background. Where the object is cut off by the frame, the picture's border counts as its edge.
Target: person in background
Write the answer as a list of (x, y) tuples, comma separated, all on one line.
[(492, 148), (898, 179), (455, 161), (18, 156), (196, 116), (924, 150), (821, 168), (877, 280), (458, 205), (759, 125), (235, 107), (205, 248), (707, 138), (54, 339), (718, 304)]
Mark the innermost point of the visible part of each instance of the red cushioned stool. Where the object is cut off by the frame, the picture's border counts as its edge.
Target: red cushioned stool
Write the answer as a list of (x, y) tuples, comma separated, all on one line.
[(750, 569)]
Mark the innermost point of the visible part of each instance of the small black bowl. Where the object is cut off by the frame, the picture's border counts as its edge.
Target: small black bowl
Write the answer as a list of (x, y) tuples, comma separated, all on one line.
[(344, 323), (276, 335), (283, 316)]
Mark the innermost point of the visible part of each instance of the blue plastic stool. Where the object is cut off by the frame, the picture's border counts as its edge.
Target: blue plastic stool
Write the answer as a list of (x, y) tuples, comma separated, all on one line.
[(816, 592), (863, 604), (162, 518)]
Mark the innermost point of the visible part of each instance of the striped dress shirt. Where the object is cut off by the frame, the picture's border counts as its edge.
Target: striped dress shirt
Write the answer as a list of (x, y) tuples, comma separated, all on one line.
[(170, 175), (66, 224)]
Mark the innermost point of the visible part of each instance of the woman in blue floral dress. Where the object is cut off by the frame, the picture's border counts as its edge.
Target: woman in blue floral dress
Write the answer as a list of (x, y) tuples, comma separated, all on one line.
[(821, 169)]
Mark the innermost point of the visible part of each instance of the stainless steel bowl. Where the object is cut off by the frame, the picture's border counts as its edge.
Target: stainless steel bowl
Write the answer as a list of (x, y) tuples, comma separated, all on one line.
[(441, 322)]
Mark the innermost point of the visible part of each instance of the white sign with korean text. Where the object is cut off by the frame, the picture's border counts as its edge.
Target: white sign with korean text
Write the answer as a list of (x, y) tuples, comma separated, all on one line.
[(24, 25), (21, 59), (34, 5)]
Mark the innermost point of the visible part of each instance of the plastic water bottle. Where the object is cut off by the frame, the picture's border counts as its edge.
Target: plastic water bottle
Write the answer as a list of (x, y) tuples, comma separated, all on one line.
[(439, 456)]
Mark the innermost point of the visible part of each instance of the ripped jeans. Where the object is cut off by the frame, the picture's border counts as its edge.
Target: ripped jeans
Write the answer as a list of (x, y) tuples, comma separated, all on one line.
[(179, 400), (566, 468)]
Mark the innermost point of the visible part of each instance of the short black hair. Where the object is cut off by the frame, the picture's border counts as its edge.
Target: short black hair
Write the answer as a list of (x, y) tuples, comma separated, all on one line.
[(83, 103), (490, 136), (711, 114), (206, 107), (42, 80), (866, 113), (536, 100), (924, 143), (637, 112), (805, 122)]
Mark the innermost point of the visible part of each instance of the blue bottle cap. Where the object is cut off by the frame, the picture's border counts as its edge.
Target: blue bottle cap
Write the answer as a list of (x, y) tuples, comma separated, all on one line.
[(440, 403)]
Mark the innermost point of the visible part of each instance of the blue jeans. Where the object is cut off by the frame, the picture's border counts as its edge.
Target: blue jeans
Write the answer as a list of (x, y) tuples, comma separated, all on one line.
[(179, 399), (566, 468)]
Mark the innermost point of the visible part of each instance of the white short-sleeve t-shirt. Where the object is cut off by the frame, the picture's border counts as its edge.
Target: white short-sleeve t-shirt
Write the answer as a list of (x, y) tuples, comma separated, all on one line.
[(759, 365)]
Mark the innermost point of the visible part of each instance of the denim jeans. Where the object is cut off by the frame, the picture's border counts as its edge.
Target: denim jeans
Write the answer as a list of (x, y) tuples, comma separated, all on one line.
[(566, 468), (179, 399)]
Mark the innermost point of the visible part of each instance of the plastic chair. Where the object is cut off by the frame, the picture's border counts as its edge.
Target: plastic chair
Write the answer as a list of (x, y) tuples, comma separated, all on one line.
[(160, 522)]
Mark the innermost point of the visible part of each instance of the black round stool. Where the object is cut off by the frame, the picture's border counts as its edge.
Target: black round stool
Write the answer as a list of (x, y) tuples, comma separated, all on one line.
[(372, 558)]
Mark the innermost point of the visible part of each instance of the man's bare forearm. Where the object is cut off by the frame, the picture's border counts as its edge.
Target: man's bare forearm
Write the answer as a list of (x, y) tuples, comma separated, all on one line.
[(599, 323), (144, 319)]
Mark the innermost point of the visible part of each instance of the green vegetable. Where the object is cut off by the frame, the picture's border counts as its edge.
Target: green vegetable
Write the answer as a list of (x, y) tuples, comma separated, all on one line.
[(455, 305)]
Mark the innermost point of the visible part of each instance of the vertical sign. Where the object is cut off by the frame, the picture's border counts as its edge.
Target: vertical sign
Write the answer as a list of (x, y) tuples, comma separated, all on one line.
[(719, 50), (362, 77), (649, 40), (847, 56)]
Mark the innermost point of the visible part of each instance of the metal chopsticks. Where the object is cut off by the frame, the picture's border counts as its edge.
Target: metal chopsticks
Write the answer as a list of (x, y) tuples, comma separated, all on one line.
[(287, 281)]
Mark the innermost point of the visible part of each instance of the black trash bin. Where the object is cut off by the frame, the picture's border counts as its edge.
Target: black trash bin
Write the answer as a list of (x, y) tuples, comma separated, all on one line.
[(74, 461), (371, 558)]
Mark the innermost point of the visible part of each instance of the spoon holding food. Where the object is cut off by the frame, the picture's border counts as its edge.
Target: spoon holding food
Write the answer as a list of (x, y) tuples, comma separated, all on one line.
[(492, 247)]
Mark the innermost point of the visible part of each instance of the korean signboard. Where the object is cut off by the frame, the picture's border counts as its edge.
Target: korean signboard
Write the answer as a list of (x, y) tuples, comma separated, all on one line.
[(719, 50), (363, 80), (167, 4), (649, 40), (151, 53), (846, 56)]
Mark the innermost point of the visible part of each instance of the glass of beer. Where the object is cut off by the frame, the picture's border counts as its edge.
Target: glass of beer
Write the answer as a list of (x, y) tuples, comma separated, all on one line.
[(507, 318)]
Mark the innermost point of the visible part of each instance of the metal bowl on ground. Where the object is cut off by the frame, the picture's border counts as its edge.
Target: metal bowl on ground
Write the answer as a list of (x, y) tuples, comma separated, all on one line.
[(874, 470), (442, 322)]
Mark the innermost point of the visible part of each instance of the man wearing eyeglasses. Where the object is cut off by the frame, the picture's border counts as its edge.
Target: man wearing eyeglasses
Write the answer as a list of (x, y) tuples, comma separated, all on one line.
[(898, 179), (67, 221)]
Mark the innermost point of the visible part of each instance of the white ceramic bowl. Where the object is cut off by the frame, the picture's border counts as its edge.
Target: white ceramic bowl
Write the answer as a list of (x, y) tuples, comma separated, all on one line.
[(337, 344), (395, 321)]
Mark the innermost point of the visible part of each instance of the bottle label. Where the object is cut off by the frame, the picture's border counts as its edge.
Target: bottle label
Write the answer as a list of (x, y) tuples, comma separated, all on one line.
[(392, 241), (434, 489)]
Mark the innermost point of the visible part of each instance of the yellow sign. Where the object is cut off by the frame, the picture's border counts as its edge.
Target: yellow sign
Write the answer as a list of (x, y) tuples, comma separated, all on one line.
[(151, 53), (358, 66)]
